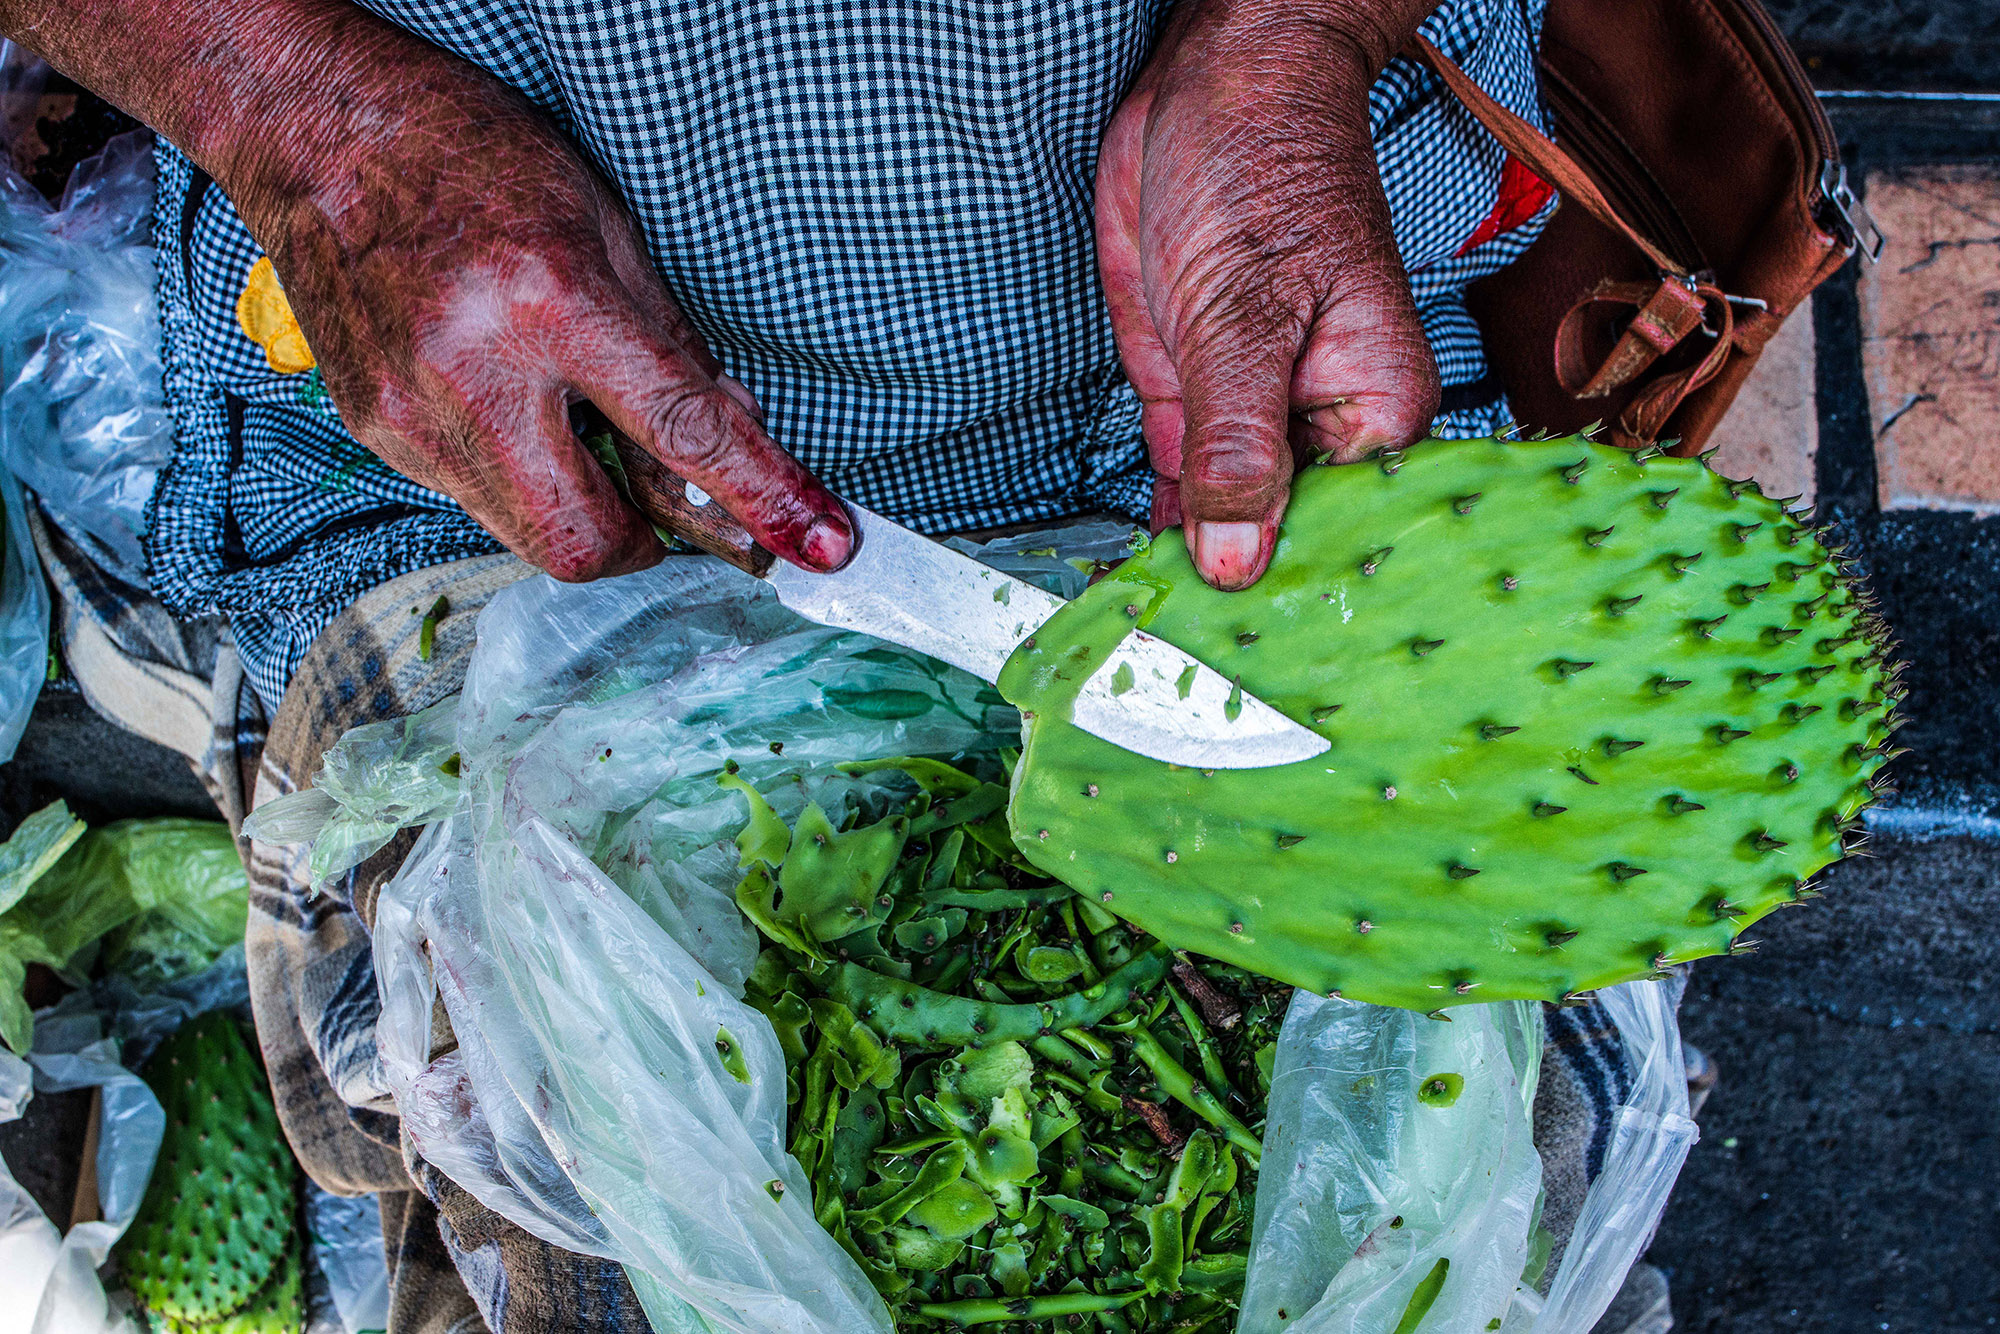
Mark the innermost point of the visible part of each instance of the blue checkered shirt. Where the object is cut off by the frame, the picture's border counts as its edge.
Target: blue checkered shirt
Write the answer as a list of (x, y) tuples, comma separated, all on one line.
[(879, 216)]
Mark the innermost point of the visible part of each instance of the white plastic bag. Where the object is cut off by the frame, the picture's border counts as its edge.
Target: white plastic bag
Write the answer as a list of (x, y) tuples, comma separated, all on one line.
[(574, 915)]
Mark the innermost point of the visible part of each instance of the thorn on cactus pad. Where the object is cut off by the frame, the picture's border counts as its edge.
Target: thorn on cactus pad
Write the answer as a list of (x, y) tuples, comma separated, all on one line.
[(1324, 712), (1763, 842), (1375, 559), (1622, 871), (1595, 537), (1423, 647), (1565, 668), (1464, 504), (1362, 926), (1758, 680), (1724, 909), (1748, 593), (1738, 948), (1458, 871), (1247, 638), (1578, 771), (1739, 486), (1797, 713), (1813, 675), (1663, 685), (1575, 471), (1544, 809), (1725, 734), (1509, 582), (1494, 731), (1662, 499), (1558, 939), (1706, 629), (1682, 564), (1614, 746), (1619, 606), (1742, 531), (1788, 773), (1773, 637)]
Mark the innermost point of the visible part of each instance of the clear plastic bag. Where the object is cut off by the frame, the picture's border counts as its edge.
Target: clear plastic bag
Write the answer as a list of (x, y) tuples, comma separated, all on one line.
[(380, 778), (1371, 1186), (83, 421), (24, 619), (574, 915)]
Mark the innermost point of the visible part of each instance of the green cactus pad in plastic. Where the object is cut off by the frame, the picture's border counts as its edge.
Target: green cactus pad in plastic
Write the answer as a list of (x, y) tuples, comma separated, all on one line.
[(214, 1236), (1590, 714)]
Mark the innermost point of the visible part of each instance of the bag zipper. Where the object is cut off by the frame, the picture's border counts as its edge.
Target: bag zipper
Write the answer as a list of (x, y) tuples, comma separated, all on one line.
[(1832, 201)]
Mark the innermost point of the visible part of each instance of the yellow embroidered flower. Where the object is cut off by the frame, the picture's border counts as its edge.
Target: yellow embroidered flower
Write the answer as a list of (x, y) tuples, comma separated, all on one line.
[(267, 319)]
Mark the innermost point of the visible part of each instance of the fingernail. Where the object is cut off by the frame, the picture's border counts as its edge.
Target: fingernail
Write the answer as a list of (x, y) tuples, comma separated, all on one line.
[(828, 543), (1227, 553)]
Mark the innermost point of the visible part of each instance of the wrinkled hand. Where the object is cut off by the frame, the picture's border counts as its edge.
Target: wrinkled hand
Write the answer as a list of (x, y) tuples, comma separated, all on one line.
[(463, 279), (1260, 307)]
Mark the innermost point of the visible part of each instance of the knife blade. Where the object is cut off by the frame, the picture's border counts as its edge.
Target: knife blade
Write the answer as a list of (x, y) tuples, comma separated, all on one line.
[(906, 589)]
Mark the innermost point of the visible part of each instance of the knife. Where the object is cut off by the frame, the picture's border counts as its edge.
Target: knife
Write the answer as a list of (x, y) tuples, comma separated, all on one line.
[(906, 589)]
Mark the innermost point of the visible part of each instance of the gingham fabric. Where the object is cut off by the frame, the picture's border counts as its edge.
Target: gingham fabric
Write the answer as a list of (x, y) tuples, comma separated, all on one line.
[(878, 215)]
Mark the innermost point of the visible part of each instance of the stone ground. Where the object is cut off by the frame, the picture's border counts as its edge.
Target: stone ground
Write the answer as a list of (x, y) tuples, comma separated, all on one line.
[(1848, 1177)]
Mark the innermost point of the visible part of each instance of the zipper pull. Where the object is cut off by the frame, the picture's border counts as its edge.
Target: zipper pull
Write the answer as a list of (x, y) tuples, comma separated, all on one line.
[(1857, 229)]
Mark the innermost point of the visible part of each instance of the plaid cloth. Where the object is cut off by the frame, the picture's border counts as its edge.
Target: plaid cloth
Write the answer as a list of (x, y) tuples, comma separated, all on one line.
[(879, 217)]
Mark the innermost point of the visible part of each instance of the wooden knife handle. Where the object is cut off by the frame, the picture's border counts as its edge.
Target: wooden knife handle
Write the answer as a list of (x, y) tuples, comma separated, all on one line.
[(662, 495)]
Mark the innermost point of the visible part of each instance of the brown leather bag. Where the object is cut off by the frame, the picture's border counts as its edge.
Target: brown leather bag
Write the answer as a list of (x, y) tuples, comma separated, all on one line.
[(1703, 201)]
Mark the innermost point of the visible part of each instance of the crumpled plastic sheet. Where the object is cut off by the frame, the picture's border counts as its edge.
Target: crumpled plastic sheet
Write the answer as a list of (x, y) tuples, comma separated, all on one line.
[(347, 1285), (83, 420), (574, 914), (382, 778)]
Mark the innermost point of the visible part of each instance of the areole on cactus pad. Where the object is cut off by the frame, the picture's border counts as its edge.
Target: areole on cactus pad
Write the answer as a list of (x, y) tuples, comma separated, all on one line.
[(1591, 713)]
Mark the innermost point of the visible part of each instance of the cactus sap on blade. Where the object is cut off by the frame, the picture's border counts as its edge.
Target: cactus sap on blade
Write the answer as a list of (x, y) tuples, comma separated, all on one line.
[(1591, 713)]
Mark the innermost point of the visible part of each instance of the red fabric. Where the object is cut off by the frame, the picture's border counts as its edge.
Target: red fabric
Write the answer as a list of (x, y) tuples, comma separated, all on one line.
[(1522, 194)]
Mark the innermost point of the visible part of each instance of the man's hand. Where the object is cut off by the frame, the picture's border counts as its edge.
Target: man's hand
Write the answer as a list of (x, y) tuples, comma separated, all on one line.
[(461, 276), (1244, 242)]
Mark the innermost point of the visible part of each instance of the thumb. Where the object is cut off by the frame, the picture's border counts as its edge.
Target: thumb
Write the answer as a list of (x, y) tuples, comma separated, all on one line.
[(1236, 454)]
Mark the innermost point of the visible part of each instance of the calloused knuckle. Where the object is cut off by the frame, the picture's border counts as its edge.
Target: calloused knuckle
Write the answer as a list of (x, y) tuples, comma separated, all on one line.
[(693, 430), (1231, 461)]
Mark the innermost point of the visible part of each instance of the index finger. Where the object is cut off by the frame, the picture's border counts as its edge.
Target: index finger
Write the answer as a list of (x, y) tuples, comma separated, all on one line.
[(659, 396)]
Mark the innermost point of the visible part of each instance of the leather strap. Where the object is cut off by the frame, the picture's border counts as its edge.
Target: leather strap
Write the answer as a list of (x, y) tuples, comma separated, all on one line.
[(1539, 151), (1664, 313)]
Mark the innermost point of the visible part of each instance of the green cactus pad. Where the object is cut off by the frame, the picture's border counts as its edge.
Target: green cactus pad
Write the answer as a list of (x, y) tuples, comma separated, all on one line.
[(276, 1308), (215, 1229), (1590, 714)]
